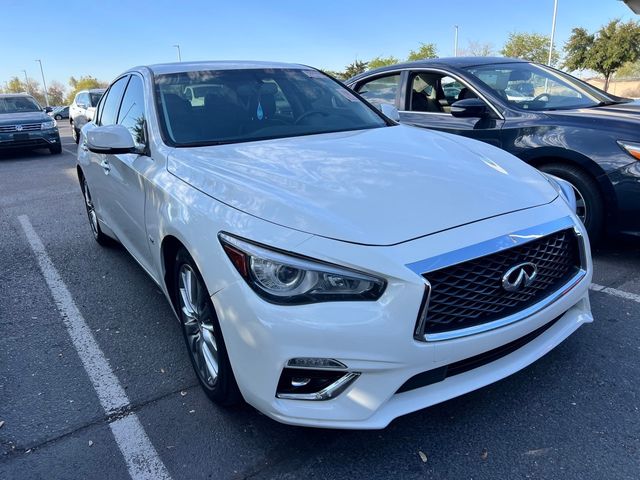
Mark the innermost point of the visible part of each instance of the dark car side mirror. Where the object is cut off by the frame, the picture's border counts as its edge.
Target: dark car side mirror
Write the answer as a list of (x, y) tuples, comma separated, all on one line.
[(469, 108), (48, 109)]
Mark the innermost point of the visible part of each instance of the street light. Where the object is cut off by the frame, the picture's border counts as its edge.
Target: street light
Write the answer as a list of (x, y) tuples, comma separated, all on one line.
[(179, 56), (46, 95), (26, 81), (455, 42), (553, 31)]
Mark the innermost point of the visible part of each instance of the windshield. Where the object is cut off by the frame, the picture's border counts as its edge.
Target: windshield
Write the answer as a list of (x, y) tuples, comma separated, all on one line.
[(18, 105), (95, 98), (229, 106), (535, 87)]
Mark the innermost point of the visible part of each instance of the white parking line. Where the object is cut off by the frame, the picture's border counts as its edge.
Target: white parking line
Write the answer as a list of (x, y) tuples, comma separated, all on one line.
[(140, 456), (615, 292), (69, 151)]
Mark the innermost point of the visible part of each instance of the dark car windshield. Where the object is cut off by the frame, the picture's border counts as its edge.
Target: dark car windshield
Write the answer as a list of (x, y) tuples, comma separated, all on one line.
[(535, 87), (256, 104), (95, 98), (18, 105)]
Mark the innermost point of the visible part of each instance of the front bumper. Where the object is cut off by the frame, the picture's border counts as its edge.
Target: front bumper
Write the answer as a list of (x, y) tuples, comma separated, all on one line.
[(32, 139), (377, 340)]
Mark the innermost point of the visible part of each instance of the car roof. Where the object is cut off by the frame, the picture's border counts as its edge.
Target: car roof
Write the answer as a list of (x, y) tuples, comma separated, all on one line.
[(177, 67), (455, 62), (5, 95)]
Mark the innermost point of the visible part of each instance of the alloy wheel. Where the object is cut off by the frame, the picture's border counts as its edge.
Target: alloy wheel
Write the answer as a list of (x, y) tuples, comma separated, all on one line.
[(91, 211), (198, 325), (581, 205)]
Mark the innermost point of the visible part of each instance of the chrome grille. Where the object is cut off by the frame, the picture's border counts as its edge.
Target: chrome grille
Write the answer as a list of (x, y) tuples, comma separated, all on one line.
[(27, 127), (471, 293)]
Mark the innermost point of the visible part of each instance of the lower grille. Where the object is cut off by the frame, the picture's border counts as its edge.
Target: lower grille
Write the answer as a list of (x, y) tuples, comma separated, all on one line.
[(472, 293)]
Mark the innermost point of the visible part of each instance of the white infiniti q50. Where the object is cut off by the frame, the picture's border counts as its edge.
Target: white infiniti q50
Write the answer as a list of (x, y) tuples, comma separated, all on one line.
[(329, 266)]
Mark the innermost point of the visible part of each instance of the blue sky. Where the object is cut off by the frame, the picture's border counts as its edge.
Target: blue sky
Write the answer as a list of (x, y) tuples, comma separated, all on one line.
[(104, 38)]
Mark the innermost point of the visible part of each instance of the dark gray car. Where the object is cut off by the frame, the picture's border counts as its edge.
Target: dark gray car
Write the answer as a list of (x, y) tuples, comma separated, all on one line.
[(24, 125)]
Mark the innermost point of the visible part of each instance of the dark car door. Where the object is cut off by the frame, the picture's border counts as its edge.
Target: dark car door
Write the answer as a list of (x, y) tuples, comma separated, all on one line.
[(427, 102)]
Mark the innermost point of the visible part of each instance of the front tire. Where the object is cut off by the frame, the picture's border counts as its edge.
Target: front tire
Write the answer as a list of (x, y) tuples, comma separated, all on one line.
[(58, 117), (202, 333), (92, 215), (75, 133), (590, 207)]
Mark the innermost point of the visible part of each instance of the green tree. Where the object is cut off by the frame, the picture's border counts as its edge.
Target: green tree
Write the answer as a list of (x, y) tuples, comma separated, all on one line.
[(32, 87), (83, 83), (629, 70), (426, 50), (605, 51), (379, 61), (529, 46), (337, 75), (15, 85), (355, 68)]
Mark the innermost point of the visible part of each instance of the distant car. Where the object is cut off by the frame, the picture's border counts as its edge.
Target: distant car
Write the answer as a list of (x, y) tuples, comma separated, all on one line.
[(59, 113), (546, 117), (330, 266), (24, 125), (82, 109)]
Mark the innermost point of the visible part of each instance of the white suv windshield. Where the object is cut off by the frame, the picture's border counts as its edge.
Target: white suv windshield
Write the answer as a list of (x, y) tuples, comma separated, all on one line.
[(229, 106), (534, 87)]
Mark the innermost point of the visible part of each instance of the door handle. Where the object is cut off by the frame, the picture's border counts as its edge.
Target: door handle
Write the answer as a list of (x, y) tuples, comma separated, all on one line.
[(105, 165)]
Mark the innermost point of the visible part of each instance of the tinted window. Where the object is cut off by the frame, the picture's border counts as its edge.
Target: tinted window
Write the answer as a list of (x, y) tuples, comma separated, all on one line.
[(95, 98), (381, 90), (111, 104), (256, 104), (132, 110)]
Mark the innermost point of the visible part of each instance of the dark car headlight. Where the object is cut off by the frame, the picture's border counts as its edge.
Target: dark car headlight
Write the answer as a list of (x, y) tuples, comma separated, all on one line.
[(283, 278), (48, 125), (631, 148)]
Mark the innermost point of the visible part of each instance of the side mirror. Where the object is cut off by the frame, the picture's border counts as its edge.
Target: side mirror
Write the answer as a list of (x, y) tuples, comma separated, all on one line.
[(110, 139), (390, 111), (48, 109), (469, 108)]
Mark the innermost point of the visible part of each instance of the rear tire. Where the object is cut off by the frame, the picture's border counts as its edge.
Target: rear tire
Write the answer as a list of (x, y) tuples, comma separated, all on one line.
[(58, 117), (590, 204), (202, 333)]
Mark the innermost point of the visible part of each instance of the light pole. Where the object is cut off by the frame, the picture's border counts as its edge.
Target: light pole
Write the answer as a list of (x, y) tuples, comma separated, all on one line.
[(46, 95), (179, 56), (455, 42), (26, 81), (553, 31)]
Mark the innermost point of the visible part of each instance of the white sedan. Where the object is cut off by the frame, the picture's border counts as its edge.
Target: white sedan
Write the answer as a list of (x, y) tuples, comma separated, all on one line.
[(329, 266)]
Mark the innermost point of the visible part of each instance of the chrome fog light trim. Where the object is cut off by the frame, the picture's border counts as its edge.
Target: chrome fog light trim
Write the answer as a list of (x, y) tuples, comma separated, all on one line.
[(313, 363), (331, 391)]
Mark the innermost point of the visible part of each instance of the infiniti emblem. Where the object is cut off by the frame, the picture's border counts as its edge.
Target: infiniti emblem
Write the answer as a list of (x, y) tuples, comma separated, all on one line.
[(18, 128), (519, 277)]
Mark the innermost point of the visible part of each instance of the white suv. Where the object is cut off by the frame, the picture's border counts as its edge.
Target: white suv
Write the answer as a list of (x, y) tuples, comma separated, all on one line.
[(82, 109), (330, 266)]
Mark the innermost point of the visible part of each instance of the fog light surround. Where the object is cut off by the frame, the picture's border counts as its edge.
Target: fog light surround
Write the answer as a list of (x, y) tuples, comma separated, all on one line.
[(313, 384)]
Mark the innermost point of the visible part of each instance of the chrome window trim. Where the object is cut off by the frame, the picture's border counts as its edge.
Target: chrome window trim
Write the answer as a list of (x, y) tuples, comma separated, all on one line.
[(488, 247), (445, 72)]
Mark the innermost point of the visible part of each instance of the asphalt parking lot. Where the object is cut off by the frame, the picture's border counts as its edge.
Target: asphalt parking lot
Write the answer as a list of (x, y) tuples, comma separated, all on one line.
[(573, 414)]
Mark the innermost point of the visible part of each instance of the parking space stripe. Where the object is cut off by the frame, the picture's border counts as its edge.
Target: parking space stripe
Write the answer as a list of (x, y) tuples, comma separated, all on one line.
[(615, 292), (140, 456)]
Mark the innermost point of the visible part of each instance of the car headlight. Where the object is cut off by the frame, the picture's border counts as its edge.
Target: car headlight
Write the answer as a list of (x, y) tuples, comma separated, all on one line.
[(565, 189), (631, 148), (283, 278), (48, 125)]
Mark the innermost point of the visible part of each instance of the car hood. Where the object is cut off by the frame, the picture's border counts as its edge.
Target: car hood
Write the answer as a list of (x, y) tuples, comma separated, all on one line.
[(621, 114), (377, 187), (22, 118)]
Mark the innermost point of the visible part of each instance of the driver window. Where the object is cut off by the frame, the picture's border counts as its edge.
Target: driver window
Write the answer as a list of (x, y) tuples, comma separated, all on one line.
[(435, 93)]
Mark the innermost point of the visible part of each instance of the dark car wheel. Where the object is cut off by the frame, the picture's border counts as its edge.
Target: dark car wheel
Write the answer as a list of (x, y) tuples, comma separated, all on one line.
[(99, 237), (202, 333), (56, 149), (58, 117), (590, 208)]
